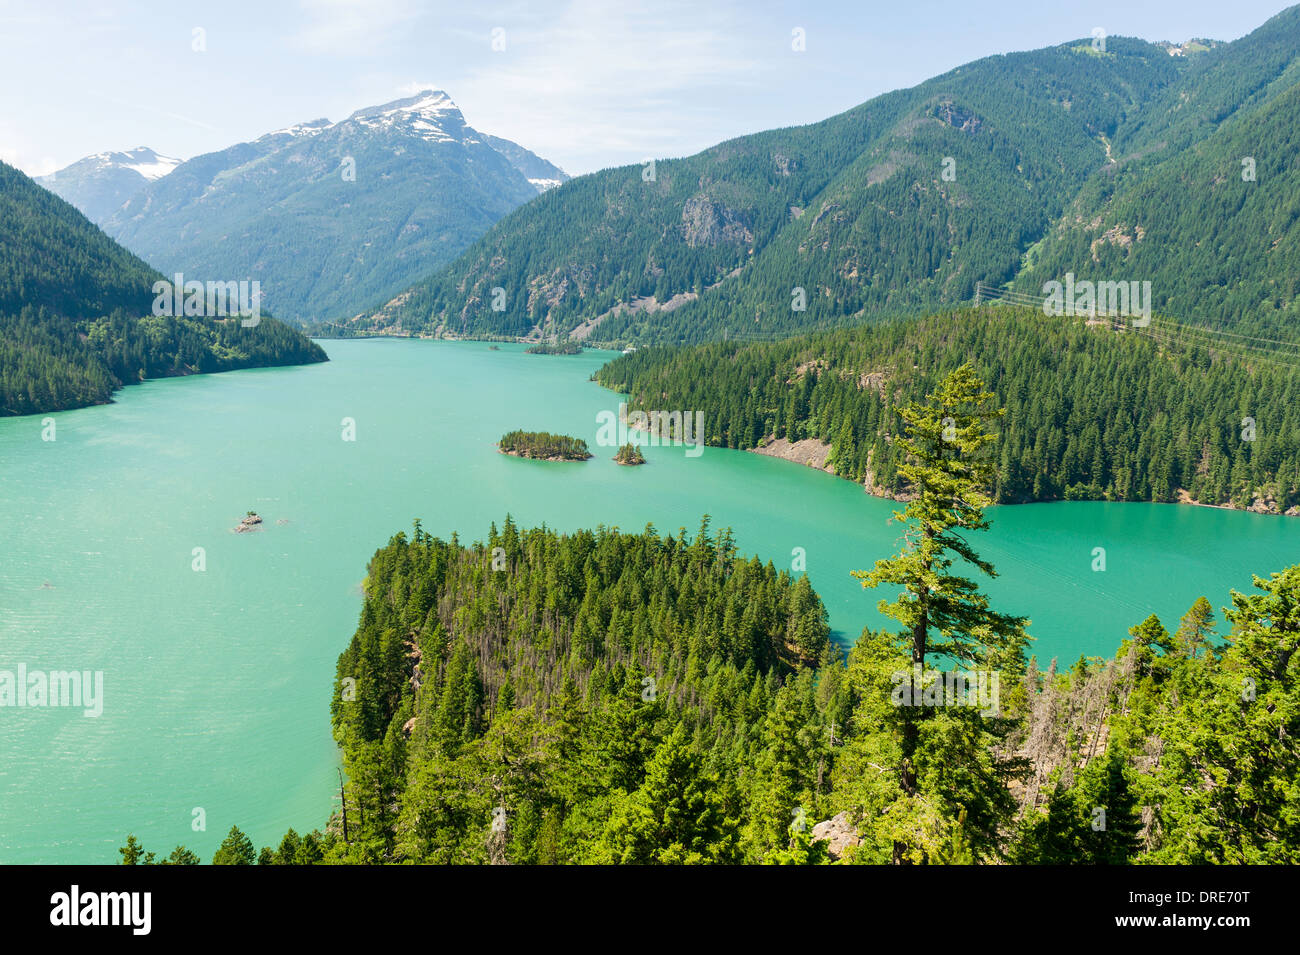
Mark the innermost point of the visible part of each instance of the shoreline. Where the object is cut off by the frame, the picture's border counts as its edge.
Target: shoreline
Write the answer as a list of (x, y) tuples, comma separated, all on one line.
[(814, 454), (535, 457)]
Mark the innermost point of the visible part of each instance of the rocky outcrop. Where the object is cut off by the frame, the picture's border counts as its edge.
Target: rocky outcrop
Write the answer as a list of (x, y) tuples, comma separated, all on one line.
[(251, 522), (646, 303), (838, 833), (809, 451), (1260, 503), (705, 222), (959, 117)]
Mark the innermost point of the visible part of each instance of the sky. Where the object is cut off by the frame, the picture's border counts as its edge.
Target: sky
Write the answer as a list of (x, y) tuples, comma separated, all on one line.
[(586, 84)]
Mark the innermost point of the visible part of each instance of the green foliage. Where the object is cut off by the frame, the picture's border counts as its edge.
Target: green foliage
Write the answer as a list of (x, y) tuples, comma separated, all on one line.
[(181, 856), (629, 454), (1090, 413), (1229, 773), (563, 347), (595, 697), (936, 767), (593, 701), (676, 816), (53, 258), (543, 444), (1016, 169), (70, 307), (1095, 822), (856, 211), (946, 443), (610, 698), (1217, 240), (133, 853), (235, 849)]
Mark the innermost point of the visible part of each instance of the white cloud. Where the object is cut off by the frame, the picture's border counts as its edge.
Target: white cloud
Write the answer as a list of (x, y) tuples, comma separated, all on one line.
[(609, 79), (29, 164), (410, 89)]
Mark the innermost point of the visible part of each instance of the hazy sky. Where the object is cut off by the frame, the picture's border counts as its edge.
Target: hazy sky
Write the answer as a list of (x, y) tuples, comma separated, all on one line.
[(584, 83)]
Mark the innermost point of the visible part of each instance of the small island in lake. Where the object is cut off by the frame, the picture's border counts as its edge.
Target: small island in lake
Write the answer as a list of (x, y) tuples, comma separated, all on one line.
[(565, 347), (543, 446), (251, 522), (629, 454)]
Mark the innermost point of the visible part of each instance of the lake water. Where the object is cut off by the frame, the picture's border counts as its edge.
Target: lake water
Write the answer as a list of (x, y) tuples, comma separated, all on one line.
[(217, 682)]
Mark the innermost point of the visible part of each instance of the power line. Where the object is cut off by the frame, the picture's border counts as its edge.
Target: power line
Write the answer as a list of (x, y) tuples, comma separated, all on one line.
[(1173, 332), (1018, 297), (1241, 353)]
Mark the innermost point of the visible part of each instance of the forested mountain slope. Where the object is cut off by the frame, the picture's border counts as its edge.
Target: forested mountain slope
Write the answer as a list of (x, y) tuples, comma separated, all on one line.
[(846, 209), (76, 316), (1122, 163), (1204, 201)]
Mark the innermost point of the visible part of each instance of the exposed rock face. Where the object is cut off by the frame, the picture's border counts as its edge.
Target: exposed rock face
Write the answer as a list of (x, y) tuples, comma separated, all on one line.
[(1117, 236), (1260, 503), (877, 381), (646, 303), (705, 222), (838, 833), (959, 117), (809, 451)]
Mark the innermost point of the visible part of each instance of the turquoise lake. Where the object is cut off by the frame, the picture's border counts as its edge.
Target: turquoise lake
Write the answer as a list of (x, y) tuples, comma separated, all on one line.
[(217, 682)]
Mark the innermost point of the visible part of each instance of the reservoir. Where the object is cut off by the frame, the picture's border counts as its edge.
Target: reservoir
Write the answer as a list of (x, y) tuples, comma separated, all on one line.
[(118, 555)]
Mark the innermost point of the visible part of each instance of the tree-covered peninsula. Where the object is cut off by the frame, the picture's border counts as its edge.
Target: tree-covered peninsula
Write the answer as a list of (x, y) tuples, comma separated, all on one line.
[(543, 446), (1092, 412)]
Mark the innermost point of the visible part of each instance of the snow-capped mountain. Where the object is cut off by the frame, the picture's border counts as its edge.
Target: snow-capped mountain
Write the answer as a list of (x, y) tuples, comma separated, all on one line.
[(431, 115), (331, 217), (99, 184)]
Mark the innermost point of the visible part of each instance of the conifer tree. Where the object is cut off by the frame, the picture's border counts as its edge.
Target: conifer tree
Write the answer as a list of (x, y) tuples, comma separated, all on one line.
[(943, 614), (947, 443), (235, 849), (1195, 628)]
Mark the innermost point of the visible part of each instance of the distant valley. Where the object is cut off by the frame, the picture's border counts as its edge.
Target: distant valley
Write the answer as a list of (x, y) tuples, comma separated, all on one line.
[(79, 314), (329, 217)]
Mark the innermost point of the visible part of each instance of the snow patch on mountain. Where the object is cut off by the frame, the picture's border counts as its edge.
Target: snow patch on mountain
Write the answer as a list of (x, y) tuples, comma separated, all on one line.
[(142, 159), (298, 130), (432, 114)]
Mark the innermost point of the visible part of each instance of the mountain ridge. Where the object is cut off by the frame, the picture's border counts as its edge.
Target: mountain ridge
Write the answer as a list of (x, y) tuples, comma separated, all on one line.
[(901, 204), (331, 217), (99, 184)]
